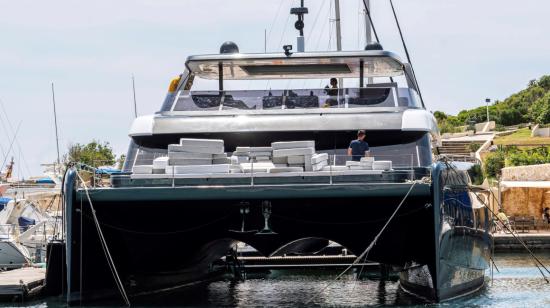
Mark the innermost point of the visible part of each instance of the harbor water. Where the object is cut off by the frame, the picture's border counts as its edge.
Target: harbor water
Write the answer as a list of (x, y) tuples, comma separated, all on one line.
[(518, 283)]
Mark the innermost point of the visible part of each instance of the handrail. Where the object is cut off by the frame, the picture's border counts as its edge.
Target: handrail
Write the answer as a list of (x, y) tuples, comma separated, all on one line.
[(95, 172), (324, 172)]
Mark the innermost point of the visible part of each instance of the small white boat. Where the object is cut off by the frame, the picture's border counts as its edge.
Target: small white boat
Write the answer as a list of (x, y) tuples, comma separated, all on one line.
[(12, 254), (24, 233)]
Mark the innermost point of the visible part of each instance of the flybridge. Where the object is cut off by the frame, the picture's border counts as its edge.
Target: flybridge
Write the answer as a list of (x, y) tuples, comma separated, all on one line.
[(303, 65)]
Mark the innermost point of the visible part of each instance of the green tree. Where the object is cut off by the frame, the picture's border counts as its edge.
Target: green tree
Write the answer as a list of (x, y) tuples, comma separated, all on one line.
[(509, 117), (93, 154), (530, 104), (120, 161), (494, 162), (544, 82), (440, 116), (540, 110)]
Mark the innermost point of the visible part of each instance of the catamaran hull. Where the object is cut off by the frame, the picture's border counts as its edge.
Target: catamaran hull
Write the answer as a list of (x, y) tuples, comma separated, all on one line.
[(142, 225)]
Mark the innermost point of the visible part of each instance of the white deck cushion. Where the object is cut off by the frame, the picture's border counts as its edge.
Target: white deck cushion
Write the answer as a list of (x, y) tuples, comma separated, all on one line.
[(293, 152), (222, 155), (190, 161), (317, 158), (212, 149), (256, 154), (293, 144), (319, 166), (357, 168), (285, 169), (257, 167), (203, 143), (280, 160), (260, 149), (382, 165), (180, 155), (143, 169), (296, 159), (160, 162), (263, 158), (352, 163), (223, 160), (335, 168)]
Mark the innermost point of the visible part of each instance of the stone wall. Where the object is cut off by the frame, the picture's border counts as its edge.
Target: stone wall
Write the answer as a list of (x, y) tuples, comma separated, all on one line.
[(525, 201), (541, 132), (484, 127), (527, 173), (457, 135)]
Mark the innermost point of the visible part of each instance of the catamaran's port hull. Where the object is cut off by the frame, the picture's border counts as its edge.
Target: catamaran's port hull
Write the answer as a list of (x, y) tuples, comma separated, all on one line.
[(161, 238)]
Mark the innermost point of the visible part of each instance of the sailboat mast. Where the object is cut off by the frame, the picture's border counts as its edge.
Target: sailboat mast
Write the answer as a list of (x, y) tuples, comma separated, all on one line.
[(338, 34), (56, 134), (134, 92), (368, 31), (338, 28), (368, 28)]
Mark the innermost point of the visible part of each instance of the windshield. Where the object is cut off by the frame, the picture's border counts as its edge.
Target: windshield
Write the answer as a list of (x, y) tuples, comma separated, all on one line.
[(288, 99)]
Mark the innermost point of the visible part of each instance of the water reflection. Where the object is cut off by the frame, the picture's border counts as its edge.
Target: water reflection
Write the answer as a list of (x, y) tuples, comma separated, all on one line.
[(518, 284)]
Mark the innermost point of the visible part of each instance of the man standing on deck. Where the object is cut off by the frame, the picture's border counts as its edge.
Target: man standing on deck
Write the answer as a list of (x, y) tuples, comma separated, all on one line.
[(359, 147), (332, 90)]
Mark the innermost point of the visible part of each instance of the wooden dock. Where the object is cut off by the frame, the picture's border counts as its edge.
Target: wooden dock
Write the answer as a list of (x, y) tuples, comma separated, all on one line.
[(21, 283), (288, 262)]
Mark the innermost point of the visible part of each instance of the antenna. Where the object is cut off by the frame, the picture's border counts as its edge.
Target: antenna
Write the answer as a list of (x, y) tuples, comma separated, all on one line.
[(56, 134), (134, 91), (265, 40), (299, 24)]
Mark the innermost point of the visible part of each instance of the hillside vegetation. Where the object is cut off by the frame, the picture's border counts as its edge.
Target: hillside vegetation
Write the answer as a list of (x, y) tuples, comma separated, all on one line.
[(521, 137), (529, 105)]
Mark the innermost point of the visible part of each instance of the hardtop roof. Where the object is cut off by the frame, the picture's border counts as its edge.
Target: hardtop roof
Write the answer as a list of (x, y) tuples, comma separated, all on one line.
[(299, 65)]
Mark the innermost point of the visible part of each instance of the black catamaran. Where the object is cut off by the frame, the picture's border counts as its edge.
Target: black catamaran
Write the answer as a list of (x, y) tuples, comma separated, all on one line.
[(188, 193)]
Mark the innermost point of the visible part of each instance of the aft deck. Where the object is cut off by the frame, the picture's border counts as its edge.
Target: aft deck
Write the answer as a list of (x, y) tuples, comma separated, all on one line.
[(318, 184), (182, 191), (285, 178)]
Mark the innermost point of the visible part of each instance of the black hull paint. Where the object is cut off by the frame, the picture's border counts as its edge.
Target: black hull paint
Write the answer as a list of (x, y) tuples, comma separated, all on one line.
[(165, 242)]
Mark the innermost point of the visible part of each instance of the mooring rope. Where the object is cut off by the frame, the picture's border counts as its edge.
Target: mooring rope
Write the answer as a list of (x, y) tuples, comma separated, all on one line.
[(365, 253), (108, 256)]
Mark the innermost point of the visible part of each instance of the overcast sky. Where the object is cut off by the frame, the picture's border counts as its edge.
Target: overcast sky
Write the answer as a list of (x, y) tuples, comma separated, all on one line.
[(463, 51)]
